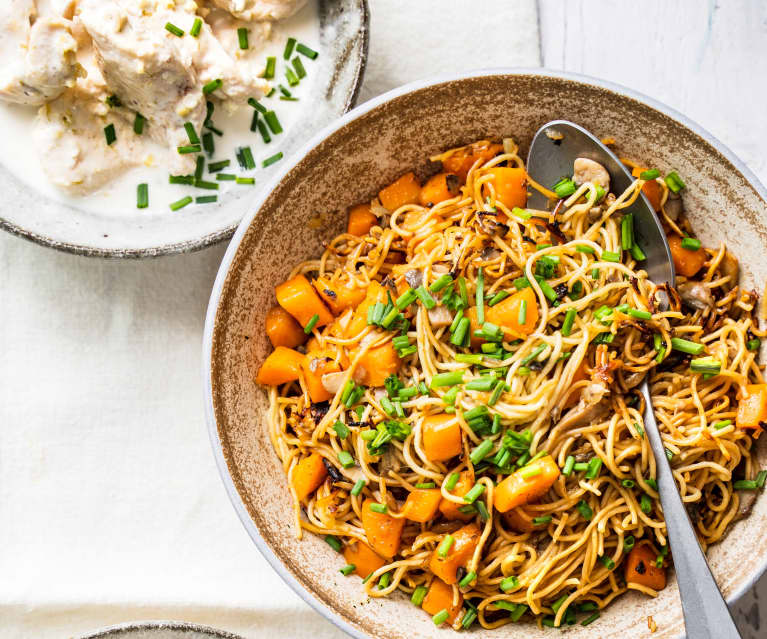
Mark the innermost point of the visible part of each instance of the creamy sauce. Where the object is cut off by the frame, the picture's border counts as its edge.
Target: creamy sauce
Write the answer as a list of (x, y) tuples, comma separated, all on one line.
[(20, 156)]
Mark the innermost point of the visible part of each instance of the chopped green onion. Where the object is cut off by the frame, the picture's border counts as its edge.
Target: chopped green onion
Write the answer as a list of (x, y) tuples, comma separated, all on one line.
[(264, 132), (610, 256), (496, 395), (271, 61), (564, 188), (289, 46), (745, 484), (142, 196), (481, 451), (138, 124), (522, 315), (191, 148), (627, 232), (180, 204), (291, 77), (509, 583), (533, 354), (384, 581), (441, 283), (406, 299), (311, 323), (607, 561), (585, 510), (691, 244), (202, 184), (181, 179), (419, 594), (761, 478), (109, 134), (498, 297), (211, 86), (674, 182), (645, 504), (379, 508), (445, 545), (528, 472), (442, 615), (200, 167), (521, 213), (284, 91), (567, 324), (568, 467), (706, 365), (469, 617), (348, 569), (480, 296), (640, 314), (426, 299), (452, 480), (590, 619), (485, 383), (628, 543), (426, 485), (459, 335), (334, 542), (226, 177), (273, 122), (546, 519), (474, 493), (309, 53), (628, 483), (191, 133), (595, 465), (650, 174), (208, 144), (584, 248), (215, 167), (754, 344), (470, 358), (358, 486), (271, 160), (686, 346), (341, 430), (463, 291), (196, 27), (242, 37), (722, 424), (172, 28), (345, 459)]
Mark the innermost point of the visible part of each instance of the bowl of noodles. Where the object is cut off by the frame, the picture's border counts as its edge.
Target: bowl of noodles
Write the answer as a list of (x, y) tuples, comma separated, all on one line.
[(422, 394)]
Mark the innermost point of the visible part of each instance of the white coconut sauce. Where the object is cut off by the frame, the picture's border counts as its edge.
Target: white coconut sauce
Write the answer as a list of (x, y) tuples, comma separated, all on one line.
[(19, 155)]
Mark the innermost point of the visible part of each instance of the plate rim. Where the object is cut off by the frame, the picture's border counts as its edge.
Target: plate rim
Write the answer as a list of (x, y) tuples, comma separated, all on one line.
[(197, 244), (116, 630), (218, 286)]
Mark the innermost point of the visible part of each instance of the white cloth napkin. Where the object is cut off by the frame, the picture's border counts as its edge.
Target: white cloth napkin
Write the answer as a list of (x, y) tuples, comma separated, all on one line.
[(111, 507)]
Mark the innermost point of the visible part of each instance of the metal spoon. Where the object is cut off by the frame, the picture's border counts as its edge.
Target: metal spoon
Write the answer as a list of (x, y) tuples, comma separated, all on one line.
[(553, 150)]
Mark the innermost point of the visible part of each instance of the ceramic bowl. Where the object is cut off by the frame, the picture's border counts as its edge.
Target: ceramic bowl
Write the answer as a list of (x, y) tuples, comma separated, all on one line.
[(160, 630), (348, 163), (129, 233)]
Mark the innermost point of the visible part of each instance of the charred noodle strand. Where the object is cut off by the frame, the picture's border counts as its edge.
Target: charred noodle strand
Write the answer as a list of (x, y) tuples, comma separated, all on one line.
[(560, 557)]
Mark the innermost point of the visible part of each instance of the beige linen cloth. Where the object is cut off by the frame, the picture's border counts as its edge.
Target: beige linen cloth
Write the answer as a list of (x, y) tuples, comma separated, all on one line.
[(111, 508)]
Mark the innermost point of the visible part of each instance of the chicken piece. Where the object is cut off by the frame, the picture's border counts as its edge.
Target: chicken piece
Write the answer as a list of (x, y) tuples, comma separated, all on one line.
[(37, 54), (69, 134), (251, 10), (590, 408), (585, 170), (695, 295)]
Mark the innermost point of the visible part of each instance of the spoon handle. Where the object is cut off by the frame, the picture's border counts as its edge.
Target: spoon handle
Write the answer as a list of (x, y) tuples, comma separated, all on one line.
[(706, 615)]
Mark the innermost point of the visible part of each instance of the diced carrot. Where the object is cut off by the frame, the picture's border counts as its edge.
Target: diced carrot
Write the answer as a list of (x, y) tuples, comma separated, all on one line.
[(579, 375), (506, 313), (752, 407), (282, 365), (650, 188), (439, 188), (375, 293), (382, 530), (298, 297), (449, 509), (308, 474), (440, 597), (378, 363), (315, 365), (526, 484), (282, 329), (364, 559), (465, 541), (464, 158), (403, 191), (441, 436), (510, 184), (686, 261), (520, 519), (641, 568), (422, 504), (339, 296), (361, 220)]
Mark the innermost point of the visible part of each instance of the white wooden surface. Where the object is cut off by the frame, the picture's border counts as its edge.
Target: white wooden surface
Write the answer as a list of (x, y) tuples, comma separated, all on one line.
[(702, 57)]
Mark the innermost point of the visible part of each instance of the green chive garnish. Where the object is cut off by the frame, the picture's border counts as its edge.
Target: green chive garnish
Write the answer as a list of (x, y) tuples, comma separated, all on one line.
[(567, 325), (271, 61), (348, 569), (611, 256), (650, 174), (445, 545), (245, 158), (628, 543), (723, 423), (257, 106), (181, 179), (309, 53), (419, 594), (246, 180), (497, 298), (567, 469), (273, 122), (208, 144), (640, 314), (191, 133), (691, 244), (645, 505), (466, 581), (441, 283), (271, 160), (447, 379), (242, 37), (674, 182), (206, 199), (311, 323), (358, 486), (264, 132), (706, 365), (426, 299), (211, 86), (109, 133), (509, 583), (180, 204), (226, 177), (451, 482), (190, 148), (754, 344), (345, 459), (289, 46), (334, 542), (138, 124), (215, 167), (202, 184), (291, 77), (379, 508), (480, 297), (442, 615), (590, 619), (686, 346), (546, 519), (142, 196), (169, 26), (299, 67), (595, 465), (585, 510), (481, 451), (196, 27), (627, 232)]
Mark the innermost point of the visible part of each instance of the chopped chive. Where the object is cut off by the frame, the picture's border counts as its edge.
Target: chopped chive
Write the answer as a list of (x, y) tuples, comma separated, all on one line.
[(504, 605), (257, 106), (202, 184), (481, 451), (496, 395), (691, 244), (341, 430), (686, 346), (196, 27), (610, 256), (426, 299), (595, 465), (345, 459), (469, 358), (480, 296), (564, 188), (254, 121), (270, 93), (169, 26), (628, 543), (567, 325), (546, 519), (674, 182), (546, 289), (533, 354), (498, 297), (191, 148), (384, 581), (379, 508), (299, 67), (485, 383), (419, 594), (650, 174), (242, 37), (348, 569), (191, 133), (640, 314), (226, 177), (463, 291), (451, 482), (142, 196), (445, 545), (585, 510), (291, 77), (474, 493), (264, 132), (273, 122), (522, 315), (528, 472), (637, 253), (466, 581), (311, 323), (645, 504), (426, 485), (722, 424), (584, 248), (138, 124), (358, 486), (180, 204), (628, 483), (607, 561), (334, 542), (590, 619), (469, 617), (286, 98), (627, 232), (754, 344), (211, 86), (447, 379), (208, 144), (441, 283), (285, 91), (309, 53), (449, 397), (568, 467), (442, 615), (181, 179), (521, 213), (246, 180), (271, 61), (215, 167), (289, 46), (509, 583), (706, 365), (761, 478), (745, 484), (109, 134), (461, 330), (206, 199), (271, 160)]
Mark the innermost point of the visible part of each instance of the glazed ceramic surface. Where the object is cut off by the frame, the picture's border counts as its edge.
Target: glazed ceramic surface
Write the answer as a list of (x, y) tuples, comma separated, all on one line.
[(160, 630), (348, 163), (131, 234)]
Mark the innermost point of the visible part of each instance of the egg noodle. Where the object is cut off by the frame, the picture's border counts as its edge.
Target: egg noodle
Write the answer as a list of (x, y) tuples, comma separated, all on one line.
[(562, 389)]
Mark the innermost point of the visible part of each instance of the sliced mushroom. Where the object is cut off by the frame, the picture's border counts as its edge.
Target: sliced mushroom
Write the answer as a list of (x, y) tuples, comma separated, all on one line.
[(589, 409), (673, 207), (633, 379), (414, 277), (439, 316), (695, 295), (332, 382), (730, 268), (595, 212), (585, 170)]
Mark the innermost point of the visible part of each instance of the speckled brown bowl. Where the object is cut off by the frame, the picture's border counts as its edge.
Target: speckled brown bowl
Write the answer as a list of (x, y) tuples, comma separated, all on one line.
[(347, 163)]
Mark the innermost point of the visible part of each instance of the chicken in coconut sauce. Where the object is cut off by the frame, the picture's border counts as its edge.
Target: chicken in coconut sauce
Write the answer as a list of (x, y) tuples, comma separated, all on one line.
[(81, 60)]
